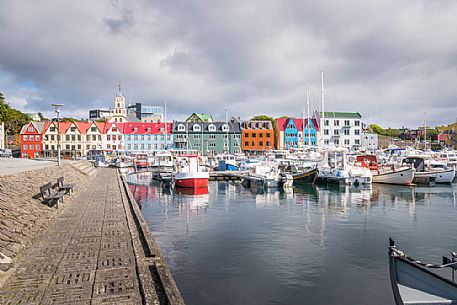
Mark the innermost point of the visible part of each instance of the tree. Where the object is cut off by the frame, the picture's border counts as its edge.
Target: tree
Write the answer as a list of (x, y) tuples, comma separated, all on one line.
[(262, 117), (13, 119)]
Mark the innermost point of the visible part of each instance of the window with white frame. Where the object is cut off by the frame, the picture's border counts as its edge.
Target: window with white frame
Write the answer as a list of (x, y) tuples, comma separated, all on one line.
[(225, 127), (197, 127), (212, 127), (181, 127)]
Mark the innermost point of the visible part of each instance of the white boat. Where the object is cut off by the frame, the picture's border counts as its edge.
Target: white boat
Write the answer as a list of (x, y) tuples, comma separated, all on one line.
[(163, 162), (189, 174), (335, 169), (428, 175), (388, 174)]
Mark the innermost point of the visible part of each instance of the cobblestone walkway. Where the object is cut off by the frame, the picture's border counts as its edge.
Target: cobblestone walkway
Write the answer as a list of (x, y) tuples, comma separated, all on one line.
[(85, 257)]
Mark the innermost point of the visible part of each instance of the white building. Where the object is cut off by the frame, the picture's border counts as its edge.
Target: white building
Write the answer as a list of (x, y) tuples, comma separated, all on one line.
[(369, 141), (2, 135), (119, 111), (342, 129)]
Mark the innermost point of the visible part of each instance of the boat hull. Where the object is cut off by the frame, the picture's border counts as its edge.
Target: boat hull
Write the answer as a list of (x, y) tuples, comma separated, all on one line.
[(446, 176), (192, 180), (413, 284), (402, 177), (424, 177), (305, 177)]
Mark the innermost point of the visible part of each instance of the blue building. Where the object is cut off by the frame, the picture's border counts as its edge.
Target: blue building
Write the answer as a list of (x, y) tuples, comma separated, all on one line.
[(147, 137)]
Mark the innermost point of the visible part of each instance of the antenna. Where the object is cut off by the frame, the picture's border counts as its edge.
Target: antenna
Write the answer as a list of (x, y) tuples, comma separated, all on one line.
[(307, 115), (322, 108)]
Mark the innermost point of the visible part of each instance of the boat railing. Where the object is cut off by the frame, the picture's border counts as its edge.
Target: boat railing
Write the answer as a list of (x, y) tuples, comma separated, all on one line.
[(447, 262)]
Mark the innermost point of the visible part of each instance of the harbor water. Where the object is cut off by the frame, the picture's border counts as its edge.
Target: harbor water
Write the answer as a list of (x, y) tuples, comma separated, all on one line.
[(315, 245)]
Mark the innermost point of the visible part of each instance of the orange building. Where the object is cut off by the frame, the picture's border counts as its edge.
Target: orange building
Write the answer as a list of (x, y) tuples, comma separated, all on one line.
[(257, 136)]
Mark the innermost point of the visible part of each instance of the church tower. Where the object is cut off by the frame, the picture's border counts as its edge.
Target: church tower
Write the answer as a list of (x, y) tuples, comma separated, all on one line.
[(119, 112)]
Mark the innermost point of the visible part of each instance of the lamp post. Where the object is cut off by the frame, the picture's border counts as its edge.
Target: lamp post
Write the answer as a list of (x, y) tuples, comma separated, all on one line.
[(57, 110)]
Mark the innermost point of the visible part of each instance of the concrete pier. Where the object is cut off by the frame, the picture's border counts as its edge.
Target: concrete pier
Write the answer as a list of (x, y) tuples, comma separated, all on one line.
[(99, 250)]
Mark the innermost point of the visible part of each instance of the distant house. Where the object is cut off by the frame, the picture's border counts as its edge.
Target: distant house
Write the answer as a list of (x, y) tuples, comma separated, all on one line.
[(34, 117), (31, 140), (294, 133), (208, 138), (200, 117), (257, 136)]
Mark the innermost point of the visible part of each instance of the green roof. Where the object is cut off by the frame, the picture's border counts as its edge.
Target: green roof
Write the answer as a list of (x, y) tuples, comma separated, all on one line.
[(343, 115), (205, 117)]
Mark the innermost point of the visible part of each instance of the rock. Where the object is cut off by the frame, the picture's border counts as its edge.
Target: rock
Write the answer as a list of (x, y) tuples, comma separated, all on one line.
[(5, 262)]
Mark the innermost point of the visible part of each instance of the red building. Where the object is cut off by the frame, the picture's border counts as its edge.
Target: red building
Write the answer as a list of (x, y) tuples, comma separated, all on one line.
[(31, 140)]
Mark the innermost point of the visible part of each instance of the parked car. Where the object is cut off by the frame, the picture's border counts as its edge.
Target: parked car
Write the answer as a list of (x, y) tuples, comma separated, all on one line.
[(6, 153)]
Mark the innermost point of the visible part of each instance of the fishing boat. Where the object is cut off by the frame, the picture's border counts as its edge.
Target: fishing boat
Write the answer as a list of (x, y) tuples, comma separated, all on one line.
[(226, 162), (141, 160), (305, 177), (414, 284), (388, 174), (163, 162), (426, 175), (189, 174)]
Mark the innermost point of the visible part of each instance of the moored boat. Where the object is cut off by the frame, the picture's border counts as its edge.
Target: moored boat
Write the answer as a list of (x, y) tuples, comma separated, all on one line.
[(413, 283), (305, 177), (386, 174), (189, 174)]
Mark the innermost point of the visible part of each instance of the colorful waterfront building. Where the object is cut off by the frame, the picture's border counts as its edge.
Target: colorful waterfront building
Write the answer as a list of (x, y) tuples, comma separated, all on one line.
[(208, 138), (290, 133), (113, 137), (342, 129), (31, 140), (257, 136), (147, 137)]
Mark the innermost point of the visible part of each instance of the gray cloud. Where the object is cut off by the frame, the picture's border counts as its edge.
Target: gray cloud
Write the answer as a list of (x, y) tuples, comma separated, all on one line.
[(391, 61)]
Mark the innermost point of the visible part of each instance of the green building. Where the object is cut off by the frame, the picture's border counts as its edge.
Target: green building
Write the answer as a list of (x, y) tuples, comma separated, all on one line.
[(207, 137)]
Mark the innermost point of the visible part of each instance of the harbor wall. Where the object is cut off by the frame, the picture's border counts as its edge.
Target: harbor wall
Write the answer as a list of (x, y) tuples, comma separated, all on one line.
[(23, 215)]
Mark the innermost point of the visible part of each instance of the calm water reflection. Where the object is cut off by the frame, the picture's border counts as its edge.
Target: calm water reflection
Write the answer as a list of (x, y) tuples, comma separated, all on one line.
[(307, 246)]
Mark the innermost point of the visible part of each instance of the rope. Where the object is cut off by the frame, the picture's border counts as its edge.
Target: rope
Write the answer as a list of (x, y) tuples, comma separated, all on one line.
[(409, 258)]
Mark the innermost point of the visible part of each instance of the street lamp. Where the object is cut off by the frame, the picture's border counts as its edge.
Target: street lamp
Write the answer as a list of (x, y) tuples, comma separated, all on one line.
[(57, 110)]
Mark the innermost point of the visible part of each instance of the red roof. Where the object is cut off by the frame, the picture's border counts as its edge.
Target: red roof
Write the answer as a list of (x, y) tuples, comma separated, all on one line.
[(147, 128), (282, 123)]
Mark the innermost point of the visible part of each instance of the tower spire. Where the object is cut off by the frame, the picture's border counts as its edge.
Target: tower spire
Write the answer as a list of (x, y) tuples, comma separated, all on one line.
[(120, 88)]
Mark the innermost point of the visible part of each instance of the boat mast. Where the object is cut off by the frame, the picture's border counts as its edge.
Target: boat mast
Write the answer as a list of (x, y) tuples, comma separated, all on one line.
[(322, 109), (307, 115), (227, 133), (165, 120), (425, 132)]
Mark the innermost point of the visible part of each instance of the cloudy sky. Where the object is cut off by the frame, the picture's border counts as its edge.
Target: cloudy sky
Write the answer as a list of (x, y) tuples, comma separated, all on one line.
[(389, 60)]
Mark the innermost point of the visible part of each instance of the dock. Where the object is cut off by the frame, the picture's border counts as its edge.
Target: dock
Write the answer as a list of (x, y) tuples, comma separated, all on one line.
[(99, 250), (227, 175)]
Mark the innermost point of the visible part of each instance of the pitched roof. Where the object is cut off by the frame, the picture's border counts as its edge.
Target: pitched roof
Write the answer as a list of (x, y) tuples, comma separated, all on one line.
[(281, 123), (343, 115), (146, 128), (202, 117)]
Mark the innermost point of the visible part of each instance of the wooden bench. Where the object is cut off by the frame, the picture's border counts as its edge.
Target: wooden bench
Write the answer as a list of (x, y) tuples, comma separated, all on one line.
[(68, 188), (50, 196)]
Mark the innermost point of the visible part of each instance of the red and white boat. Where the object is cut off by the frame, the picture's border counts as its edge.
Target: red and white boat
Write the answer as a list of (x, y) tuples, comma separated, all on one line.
[(386, 174), (141, 160), (189, 173)]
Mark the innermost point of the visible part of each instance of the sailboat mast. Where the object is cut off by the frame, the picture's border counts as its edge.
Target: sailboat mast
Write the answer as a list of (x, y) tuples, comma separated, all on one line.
[(307, 115), (227, 133), (322, 108), (425, 132), (165, 121)]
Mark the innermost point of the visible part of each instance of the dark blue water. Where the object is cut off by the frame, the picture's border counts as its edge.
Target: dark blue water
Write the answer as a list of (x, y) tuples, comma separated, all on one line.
[(312, 246)]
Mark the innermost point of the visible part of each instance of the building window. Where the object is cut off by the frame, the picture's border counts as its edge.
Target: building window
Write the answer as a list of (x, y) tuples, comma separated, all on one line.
[(254, 135), (347, 123), (73, 138), (31, 138), (261, 143), (212, 127), (196, 127), (196, 136), (67, 137), (357, 132), (108, 137), (52, 128), (26, 147), (246, 143), (357, 123), (337, 142), (31, 129), (225, 127), (346, 132), (181, 127), (260, 135), (93, 129), (73, 129), (67, 147), (37, 138), (326, 122), (336, 132), (325, 131), (336, 122), (346, 142), (88, 138), (52, 137), (246, 135), (357, 142), (129, 146), (268, 144)]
